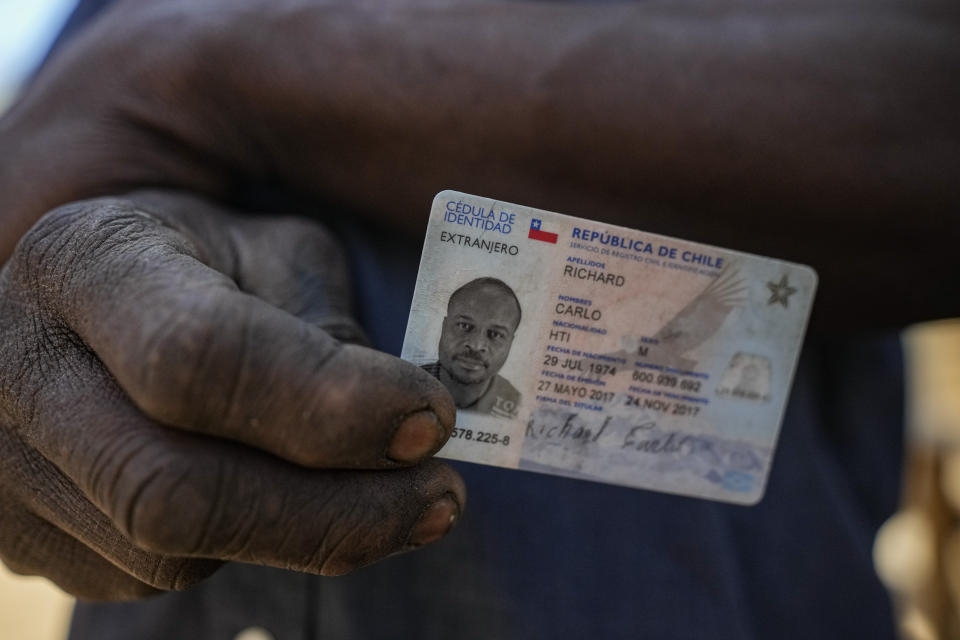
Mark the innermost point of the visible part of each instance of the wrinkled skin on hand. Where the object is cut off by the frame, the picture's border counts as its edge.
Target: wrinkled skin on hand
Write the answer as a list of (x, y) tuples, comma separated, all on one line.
[(172, 396), (201, 96)]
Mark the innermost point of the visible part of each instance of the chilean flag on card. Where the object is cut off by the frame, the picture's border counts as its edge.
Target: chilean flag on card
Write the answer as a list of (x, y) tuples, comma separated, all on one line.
[(536, 233)]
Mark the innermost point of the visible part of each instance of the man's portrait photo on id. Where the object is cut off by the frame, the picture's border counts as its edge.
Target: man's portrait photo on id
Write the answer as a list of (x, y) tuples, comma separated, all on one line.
[(478, 330)]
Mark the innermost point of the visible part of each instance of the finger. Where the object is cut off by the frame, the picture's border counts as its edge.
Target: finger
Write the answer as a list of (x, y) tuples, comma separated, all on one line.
[(176, 494), (50, 528), (193, 351), (290, 262), (32, 546), (297, 266)]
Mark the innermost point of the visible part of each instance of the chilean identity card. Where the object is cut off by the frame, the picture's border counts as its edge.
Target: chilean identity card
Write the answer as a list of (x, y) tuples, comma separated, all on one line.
[(592, 351)]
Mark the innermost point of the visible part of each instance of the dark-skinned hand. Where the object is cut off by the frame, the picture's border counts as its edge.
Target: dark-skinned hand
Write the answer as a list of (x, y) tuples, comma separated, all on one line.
[(172, 396), (750, 125)]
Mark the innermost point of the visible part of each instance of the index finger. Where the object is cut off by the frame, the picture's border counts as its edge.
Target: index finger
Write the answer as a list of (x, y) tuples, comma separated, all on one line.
[(193, 351)]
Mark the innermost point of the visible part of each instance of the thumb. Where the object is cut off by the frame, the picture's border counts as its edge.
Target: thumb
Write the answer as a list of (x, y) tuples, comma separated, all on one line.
[(290, 262)]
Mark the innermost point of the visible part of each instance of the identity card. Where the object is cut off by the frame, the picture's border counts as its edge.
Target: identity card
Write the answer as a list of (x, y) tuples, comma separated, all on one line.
[(593, 351)]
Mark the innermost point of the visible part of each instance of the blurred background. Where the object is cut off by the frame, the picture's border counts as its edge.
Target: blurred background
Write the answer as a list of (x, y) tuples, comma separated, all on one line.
[(27, 28), (30, 608)]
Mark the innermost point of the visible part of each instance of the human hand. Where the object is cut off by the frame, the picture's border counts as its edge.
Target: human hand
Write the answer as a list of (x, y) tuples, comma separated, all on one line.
[(198, 96), (728, 138), (171, 397)]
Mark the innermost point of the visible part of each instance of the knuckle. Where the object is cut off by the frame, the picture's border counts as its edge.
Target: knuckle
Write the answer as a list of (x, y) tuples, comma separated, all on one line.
[(45, 246), (179, 361), (73, 240), (189, 511), (169, 359), (166, 508), (176, 574)]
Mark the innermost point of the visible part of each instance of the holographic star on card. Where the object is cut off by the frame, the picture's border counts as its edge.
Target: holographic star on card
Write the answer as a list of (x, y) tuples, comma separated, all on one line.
[(780, 292)]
